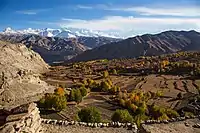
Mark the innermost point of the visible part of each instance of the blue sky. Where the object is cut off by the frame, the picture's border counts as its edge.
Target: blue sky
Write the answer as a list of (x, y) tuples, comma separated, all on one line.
[(125, 16)]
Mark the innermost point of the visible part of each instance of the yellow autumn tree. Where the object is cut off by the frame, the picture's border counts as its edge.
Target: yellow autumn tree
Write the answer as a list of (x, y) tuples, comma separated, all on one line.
[(59, 91)]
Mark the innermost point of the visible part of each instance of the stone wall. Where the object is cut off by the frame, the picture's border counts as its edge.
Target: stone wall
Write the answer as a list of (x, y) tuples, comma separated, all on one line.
[(128, 126), (29, 123)]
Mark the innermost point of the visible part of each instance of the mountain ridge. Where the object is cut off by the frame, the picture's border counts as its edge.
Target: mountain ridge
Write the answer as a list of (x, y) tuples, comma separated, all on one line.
[(55, 49), (145, 45)]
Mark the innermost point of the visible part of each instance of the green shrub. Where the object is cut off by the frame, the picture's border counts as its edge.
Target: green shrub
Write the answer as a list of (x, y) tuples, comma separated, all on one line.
[(41, 103), (59, 102), (139, 118), (83, 91), (89, 114), (75, 95), (157, 111), (122, 116), (105, 86), (163, 117), (122, 102), (159, 93), (190, 114), (53, 101), (171, 113), (140, 110), (113, 90), (114, 71), (78, 96), (109, 81), (161, 113), (72, 95), (105, 74)]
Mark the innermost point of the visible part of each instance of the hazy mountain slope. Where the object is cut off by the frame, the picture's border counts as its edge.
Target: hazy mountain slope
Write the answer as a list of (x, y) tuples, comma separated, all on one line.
[(163, 43)]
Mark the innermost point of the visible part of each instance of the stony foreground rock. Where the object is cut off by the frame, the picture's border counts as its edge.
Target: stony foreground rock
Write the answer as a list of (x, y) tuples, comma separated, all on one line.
[(29, 123)]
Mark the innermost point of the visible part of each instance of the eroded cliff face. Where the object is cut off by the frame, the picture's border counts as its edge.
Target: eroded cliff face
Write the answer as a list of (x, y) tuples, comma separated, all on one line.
[(19, 73)]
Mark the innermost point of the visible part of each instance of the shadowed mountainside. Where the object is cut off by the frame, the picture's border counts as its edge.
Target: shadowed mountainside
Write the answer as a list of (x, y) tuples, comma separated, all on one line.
[(145, 45)]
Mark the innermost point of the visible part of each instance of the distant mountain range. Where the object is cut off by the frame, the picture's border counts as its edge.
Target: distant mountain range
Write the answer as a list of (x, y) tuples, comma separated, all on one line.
[(56, 46), (64, 32), (145, 45), (56, 49)]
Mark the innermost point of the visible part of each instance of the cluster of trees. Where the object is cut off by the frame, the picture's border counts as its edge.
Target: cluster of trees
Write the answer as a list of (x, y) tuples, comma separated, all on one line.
[(106, 85), (89, 114), (177, 63), (160, 113), (136, 104), (122, 116), (78, 94), (184, 67), (90, 83), (136, 98), (56, 101), (92, 114)]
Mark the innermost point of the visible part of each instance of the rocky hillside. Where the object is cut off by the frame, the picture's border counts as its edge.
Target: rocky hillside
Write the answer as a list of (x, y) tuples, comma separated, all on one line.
[(54, 49), (19, 69), (51, 49), (163, 43)]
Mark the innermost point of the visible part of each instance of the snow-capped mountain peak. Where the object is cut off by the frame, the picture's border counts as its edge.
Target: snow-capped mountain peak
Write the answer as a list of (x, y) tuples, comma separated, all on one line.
[(9, 30), (63, 32)]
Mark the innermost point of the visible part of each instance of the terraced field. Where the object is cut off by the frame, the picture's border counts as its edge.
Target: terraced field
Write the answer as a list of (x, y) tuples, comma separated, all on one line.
[(170, 85)]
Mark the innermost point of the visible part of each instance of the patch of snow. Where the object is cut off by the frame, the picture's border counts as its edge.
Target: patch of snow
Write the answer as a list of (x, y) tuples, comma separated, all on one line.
[(63, 32)]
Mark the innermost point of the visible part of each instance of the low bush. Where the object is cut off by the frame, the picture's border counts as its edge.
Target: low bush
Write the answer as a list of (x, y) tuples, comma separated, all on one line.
[(122, 116), (53, 102), (75, 95), (89, 114), (83, 91)]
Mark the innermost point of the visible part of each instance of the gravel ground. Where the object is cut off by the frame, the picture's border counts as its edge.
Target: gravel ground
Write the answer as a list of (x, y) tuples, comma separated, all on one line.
[(177, 127)]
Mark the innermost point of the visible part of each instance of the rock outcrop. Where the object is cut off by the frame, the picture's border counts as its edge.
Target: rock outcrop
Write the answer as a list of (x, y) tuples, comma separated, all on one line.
[(51, 49), (19, 73), (29, 123)]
